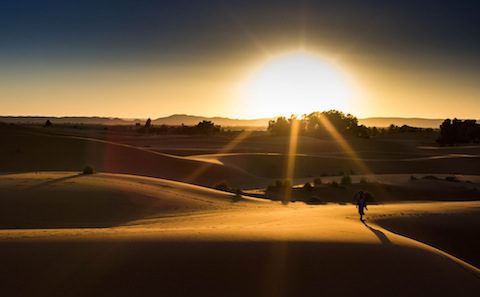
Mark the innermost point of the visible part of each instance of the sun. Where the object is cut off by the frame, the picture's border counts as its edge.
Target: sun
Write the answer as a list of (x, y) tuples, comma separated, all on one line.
[(295, 83)]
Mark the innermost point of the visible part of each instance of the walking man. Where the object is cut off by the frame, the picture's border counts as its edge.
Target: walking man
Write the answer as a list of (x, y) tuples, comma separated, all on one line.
[(361, 204)]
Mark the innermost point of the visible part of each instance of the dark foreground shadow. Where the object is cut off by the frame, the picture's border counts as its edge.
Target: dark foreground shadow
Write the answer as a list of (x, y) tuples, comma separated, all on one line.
[(381, 236), (454, 233), (149, 267)]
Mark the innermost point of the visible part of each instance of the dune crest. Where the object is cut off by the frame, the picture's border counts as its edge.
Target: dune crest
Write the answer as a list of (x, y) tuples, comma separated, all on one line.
[(69, 199)]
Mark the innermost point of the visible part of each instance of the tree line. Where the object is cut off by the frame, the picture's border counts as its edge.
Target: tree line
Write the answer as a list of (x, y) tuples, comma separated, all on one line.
[(320, 124), (458, 131), (202, 128)]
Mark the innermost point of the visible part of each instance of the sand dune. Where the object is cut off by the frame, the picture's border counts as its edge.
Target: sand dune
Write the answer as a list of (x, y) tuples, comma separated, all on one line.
[(390, 188), (33, 150), (265, 250), (453, 231), (273, 165), (69, 199), (112, 234), (28, 150)]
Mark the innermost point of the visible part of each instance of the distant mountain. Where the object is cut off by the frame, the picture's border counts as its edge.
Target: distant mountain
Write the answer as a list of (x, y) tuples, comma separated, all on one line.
[(172, 120), (414, 122), (189, 120), (66, 120)]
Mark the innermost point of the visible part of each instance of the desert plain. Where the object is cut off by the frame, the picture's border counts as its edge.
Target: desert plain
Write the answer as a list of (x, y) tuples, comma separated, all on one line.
[(152, 220)]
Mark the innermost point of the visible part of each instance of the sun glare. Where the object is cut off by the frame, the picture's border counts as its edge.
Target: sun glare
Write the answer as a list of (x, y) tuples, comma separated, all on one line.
[(295, 83)]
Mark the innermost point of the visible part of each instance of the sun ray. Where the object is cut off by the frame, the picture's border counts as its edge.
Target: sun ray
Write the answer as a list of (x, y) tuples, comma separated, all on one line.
[(226, 149), (346, 147), (291, 158), (250, 36), (303, 26)]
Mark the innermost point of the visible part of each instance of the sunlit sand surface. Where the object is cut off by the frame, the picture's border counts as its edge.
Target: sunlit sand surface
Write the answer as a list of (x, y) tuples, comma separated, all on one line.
[(124, 234), (177, 239)]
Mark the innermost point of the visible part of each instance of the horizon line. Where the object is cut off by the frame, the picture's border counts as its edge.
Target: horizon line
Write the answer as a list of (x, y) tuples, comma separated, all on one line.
[(218, 117)]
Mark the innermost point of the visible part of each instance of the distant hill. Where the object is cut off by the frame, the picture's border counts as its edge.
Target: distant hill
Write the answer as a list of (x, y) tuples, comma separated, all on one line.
[(178, 119), (66, 120), (414, 122), (173, 120)]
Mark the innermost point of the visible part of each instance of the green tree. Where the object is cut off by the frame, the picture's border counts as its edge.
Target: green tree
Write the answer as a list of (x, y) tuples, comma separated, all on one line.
[(207, 128), (279, 127), (318, 124), (148, 123)]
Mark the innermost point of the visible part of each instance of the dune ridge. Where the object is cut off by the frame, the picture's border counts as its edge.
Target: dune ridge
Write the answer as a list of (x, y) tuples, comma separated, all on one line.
[(213, 245), (69, 199), (116, 233), (27, 150)]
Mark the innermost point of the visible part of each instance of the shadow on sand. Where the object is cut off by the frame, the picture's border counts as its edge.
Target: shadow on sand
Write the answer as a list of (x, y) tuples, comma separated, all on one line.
[(53, 181), (381, 236)]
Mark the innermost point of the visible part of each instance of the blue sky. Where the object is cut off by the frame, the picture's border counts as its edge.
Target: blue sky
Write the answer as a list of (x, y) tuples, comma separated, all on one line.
[(71, 38)]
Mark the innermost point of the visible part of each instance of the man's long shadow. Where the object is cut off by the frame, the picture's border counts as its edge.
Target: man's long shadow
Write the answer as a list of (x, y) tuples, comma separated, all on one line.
[(381, 236)]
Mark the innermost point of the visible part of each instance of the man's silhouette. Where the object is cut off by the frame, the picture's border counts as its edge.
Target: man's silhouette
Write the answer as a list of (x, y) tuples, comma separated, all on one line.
[(361, 204)]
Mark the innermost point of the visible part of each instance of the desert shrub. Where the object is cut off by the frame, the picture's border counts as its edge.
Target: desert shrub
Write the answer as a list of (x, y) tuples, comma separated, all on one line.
[(346, 180), (451, 179), (279, 190), (148, 123), (278, 184), (413, 177), (334, 184), (238, 195), (363, 181), (430, 177), (307, 186), (88, 170), (287, 184), (270, 189), (222, 186), (317, 182)]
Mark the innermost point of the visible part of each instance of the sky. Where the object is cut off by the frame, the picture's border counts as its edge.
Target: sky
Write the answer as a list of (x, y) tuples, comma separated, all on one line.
[(138, 59)]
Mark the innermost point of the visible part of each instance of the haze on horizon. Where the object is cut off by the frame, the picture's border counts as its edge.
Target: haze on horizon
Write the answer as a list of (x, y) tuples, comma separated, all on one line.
[(138, 59)]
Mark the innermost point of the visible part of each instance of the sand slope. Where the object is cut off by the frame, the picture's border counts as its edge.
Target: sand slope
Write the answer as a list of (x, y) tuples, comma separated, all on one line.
[(309, 165), (69, 199), (449, 228), (215, 247), (166, 238), (29, 150), (252, 163)]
